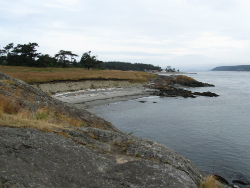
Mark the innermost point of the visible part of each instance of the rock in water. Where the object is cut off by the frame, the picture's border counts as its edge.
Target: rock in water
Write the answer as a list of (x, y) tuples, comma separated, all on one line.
[(208, 94)]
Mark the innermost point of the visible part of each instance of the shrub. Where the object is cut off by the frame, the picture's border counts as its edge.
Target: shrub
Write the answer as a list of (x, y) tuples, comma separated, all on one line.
[(83, 124), (209, 182), (137, 155), (42, 116)]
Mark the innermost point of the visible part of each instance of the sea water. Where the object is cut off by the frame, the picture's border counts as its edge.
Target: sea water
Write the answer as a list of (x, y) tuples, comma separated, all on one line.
[(213, 132)]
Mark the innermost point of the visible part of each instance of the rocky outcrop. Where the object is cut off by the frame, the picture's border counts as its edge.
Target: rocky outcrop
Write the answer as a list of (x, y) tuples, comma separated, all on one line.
[(30, 158), (173, 86), (208, 94), (83, 156), (173, 92), (194, 84), (180, 80)]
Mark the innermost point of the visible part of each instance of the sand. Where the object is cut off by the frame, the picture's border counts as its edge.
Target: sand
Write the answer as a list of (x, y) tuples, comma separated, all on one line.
[(93, 97)]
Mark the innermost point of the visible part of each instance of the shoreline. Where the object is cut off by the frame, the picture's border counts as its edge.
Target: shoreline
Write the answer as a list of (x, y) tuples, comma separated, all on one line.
[(93, 97), (166, 85), (89, 144)]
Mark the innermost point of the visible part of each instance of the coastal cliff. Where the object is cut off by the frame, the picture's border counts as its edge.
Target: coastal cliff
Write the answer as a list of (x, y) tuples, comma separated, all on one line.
[(66, 86), (58, 152)]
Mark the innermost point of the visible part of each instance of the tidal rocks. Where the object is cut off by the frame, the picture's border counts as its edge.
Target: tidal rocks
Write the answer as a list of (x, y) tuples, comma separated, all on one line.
[(208, 94), (173, 86), (240, 182), (174, 92), (195, 84), (220, 179)]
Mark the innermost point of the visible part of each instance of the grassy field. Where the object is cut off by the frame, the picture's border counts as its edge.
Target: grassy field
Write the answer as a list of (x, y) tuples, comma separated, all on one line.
[(39, 75)]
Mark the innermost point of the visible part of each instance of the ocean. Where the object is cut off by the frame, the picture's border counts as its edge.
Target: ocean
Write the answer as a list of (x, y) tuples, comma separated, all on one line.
[(213, 132)]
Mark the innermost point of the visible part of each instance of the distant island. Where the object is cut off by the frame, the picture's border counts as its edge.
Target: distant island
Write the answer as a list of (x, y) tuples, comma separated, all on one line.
[(232, 68)]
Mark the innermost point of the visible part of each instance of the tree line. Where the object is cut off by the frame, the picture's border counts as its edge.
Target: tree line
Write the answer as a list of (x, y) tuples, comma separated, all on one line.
[(27, 55), (129, 66)]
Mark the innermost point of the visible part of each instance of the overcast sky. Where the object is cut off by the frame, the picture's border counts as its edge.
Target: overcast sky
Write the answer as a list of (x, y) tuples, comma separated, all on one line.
[(185, 34)]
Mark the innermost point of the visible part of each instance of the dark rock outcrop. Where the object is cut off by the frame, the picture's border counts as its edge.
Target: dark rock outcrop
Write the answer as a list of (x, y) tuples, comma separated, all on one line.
[(173, 86), (173, 92), (194, 84), (208, 94), (240, 182), (220, 179)]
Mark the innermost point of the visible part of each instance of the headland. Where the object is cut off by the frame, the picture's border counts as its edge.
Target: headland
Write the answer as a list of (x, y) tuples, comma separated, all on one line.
[(49, 143)]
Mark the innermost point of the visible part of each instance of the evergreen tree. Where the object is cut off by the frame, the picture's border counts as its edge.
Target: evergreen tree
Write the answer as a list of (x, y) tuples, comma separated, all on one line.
[(89, 61)]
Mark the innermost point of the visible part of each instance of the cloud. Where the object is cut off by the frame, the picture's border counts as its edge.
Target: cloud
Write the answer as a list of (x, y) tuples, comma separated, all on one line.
[(157, 32)]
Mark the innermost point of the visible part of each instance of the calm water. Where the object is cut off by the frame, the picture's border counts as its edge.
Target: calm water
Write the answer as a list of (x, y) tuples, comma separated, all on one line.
[(214, 133)]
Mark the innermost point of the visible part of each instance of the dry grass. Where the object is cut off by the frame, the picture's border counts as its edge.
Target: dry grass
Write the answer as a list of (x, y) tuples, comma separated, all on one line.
[(209, 182), (97, 124), (25, 120), (76, 122), (18, 91), (46, 113), (45, 119), (179, 78), (40, 120), (11, 114), (182, 78), (1, 111), (9, 82), (8, 105), (39, 75)]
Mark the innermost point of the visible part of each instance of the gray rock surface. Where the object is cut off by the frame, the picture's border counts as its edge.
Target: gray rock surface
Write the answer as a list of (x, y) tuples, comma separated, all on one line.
[(30, 158)]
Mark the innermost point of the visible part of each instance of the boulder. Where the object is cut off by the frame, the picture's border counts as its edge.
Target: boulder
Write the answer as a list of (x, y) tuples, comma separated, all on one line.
[(208, 94)]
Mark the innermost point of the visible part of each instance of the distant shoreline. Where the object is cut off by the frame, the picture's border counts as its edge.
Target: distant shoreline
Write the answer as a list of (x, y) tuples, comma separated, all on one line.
[(232, 68)]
